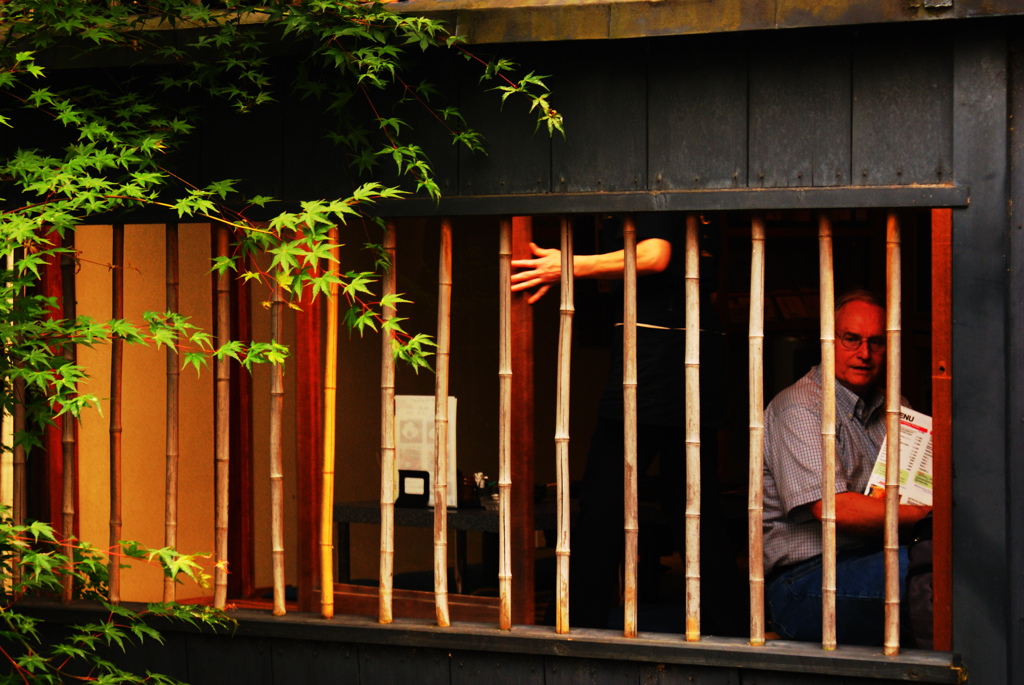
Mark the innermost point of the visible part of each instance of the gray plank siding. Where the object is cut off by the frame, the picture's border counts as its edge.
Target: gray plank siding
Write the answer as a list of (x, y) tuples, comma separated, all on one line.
[(799, 122), (979, 365), (1015, 362), (518, 158), (697, 136), (593, 87), (902, 106)]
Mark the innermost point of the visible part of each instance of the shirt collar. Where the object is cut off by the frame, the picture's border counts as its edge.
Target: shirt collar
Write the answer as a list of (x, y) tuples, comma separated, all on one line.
[(849, 403)]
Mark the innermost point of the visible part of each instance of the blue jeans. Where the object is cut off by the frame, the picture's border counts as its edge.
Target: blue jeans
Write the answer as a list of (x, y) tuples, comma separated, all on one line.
[(794, 598)]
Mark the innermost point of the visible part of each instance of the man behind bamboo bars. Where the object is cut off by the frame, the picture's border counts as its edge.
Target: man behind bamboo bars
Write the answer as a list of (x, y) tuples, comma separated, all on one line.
[(597, 535), (792, 489)]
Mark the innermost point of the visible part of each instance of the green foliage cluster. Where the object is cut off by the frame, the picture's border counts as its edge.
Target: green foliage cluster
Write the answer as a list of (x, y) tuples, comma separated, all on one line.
[(34, 561), (77, 151), (110, 148)]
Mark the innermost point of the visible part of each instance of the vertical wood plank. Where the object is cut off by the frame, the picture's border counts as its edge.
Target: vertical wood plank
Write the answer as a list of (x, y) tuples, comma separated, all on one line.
[(309, 438), (593, 79), (902, 117), (942, 429), (800, 111), (522, 536), (698, 113)]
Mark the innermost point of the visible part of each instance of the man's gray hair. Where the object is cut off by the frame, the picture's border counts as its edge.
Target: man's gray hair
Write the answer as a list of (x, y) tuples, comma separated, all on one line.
[(858, 295)]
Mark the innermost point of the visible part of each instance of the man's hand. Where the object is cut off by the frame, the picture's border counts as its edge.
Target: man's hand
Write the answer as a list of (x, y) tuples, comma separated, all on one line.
[(652, 256), (541, 272)]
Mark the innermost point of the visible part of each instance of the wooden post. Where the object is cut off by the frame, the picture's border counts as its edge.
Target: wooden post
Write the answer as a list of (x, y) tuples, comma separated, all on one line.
[(562, 429), (330, 392), (828, 434), (276, 456), (629, 418), (521, 532), (387, 435), (505, 423), (116, 367), (894, 314), (755, 500), (222, 445), (309, 415), (173, 408), (942, 426), (444, 303), (68, 423), (692, 366)]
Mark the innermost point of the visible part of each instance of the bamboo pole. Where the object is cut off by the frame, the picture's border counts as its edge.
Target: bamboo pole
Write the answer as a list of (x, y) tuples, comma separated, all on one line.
[(444, 304), (387, 436), (68, 421), (173, 407), (894, 313), (116, 368), (828, 434), (276, 455), (20, 484), (692, 366), (629, 418), (755, 500), (330, 438), (505, 424), (222, 445), (18, 481), (562, 429)]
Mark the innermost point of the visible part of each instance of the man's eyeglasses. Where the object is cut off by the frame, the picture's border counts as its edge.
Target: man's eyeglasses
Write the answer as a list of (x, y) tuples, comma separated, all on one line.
[(851, 341)]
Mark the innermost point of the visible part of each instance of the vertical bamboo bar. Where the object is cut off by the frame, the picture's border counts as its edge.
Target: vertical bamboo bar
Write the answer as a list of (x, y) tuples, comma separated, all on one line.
[(116, 364), (19, 485), (894, 314), (67, 440), (755, 500), (562, 429), (828, 434), (692, 364), (505, 423), (387, 436), (18, 470), (173, 407), (276, 458), (222, 445), (444, 303), (631, 522), (330, 432)]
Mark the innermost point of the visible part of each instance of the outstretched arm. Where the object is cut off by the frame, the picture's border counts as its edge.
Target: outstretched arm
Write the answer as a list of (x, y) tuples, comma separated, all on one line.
[(545, 269)]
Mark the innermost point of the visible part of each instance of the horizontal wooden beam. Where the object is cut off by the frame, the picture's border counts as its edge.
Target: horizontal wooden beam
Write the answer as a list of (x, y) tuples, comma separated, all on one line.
[(848, 197), (513, 21)]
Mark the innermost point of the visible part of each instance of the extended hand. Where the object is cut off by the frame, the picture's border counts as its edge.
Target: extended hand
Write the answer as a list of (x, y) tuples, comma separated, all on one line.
[(540, 273)]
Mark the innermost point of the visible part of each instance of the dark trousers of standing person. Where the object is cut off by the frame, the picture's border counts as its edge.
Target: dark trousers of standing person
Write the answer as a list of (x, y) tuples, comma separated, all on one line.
[(597, 544)]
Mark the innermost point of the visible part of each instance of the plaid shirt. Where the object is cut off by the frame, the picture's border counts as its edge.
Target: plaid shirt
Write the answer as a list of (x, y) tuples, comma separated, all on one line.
[(792, 464)]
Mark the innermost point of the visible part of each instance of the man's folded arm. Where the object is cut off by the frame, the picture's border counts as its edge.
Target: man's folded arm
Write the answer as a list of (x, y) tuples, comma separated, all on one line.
[(864, 516)]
